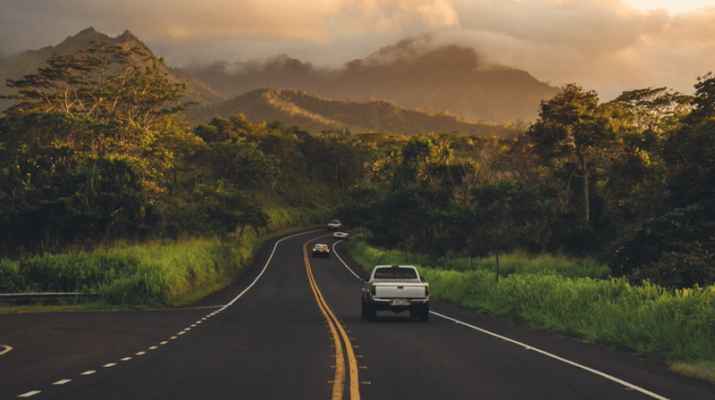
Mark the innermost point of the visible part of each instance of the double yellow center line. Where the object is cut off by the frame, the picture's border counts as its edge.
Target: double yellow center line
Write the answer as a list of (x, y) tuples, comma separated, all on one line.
[(340, 338)]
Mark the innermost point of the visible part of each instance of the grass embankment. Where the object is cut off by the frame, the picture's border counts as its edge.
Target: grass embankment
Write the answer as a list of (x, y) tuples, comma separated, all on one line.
[(577, 299), (149, 275)]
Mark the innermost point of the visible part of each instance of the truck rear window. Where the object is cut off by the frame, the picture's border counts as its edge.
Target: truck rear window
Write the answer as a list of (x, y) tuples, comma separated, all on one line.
[(395, 273)]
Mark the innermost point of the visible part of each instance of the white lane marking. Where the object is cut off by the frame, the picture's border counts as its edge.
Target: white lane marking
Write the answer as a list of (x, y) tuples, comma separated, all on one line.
[(153, 347), (90, 372), (265, 267), (341, 260), (173, 337), (126, 359), (7, 349), (29, 394), (181, 333), (164, 342), (194, 325), (62, 382), (187, 329), (577, 365), (141, 353), (110, 365), (527, 347)]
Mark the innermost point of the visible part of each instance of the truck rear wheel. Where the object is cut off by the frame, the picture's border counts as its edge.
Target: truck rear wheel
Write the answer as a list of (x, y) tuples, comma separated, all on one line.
[(424, 313), (371, 312)]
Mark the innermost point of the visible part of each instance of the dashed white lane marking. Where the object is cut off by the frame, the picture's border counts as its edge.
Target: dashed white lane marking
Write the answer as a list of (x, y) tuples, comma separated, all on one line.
[(110, 365), (153, 347), (126, 359), (5, 348), (62, 382), (141, 353), (181, 333), (90, 372), (29, 394), (164, 342), (187, 329), (173, 337)]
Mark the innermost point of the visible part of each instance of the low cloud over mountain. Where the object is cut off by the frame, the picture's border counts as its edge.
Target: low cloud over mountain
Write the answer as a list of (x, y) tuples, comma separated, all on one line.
[(414, 73)]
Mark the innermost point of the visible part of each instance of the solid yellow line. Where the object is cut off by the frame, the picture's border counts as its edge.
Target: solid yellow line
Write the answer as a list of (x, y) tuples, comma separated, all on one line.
[(333, 321)]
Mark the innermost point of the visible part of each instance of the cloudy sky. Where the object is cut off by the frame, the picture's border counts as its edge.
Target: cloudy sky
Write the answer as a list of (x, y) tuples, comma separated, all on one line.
[(606, 45)]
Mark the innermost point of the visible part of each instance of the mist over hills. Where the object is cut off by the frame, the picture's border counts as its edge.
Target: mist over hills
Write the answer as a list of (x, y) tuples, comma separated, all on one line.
[(317, 114), (406, 88), (447, 78)]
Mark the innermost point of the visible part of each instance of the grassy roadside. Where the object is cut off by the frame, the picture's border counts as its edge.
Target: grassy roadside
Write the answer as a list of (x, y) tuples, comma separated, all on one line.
[(152, 275), (669, 326)]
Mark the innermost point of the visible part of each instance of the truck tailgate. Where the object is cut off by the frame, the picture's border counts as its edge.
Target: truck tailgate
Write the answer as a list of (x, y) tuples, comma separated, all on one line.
[(399, 291)]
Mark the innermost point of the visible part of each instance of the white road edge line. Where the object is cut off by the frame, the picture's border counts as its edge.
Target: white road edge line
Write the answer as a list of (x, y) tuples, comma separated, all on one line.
[(527, 347), (266, 266), (577, 365), (7, 349), (341, 260)]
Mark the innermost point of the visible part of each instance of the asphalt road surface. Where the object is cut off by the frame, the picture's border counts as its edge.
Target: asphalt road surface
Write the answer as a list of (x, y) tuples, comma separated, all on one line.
[(287, 330)]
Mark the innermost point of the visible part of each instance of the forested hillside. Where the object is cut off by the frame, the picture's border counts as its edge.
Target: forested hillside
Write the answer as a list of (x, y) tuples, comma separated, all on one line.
[(94, 151), (316, 115), (28, 62)]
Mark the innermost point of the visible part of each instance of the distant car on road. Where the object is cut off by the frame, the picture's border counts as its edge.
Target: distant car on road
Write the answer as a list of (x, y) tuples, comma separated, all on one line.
[(340, 235), (321, 250), (335, 225)]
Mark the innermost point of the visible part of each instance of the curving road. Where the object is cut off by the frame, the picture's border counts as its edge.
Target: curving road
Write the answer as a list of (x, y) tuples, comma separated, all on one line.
[(290, 328)]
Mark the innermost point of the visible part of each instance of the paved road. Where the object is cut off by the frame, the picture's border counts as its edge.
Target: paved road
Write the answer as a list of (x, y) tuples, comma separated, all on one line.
[(273, 342)]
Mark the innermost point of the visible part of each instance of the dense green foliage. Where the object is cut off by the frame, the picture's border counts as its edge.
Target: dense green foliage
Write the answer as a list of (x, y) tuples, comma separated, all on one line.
[(560, 296), (94, 150), (629, 182)]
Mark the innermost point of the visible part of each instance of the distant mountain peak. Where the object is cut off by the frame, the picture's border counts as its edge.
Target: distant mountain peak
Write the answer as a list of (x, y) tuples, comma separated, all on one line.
[(87, 31)]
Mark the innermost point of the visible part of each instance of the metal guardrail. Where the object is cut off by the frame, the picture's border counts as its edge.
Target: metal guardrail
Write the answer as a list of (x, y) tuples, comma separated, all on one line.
[(52, 297)]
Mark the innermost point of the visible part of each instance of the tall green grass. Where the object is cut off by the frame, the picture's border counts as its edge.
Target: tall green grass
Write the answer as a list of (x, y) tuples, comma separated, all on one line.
[(652, 321), (139, 275), (150, 275)]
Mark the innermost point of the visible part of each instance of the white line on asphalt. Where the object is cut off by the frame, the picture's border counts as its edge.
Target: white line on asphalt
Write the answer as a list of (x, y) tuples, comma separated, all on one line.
[(62, 382), (141, 353), (164, 342), (29, 394), (7, 349), (341, 260), (527, 347), (173, 337), (126, 359), (110, 365), (265, 267), (90, 372), (153, 347)]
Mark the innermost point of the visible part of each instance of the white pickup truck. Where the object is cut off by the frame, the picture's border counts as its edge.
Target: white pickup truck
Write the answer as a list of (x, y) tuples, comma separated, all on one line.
[(396, 288)]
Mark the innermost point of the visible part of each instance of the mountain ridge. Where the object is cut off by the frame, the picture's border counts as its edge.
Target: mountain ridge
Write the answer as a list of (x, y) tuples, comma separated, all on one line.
[(413, 73), (317, 114)]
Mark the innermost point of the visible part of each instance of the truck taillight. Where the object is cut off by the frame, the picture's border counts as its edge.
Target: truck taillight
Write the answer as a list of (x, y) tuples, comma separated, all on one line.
[(426, 291)]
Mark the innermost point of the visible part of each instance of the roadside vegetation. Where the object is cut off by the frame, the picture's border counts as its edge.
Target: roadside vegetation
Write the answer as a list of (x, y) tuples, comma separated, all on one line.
[(104, 187), (560, 295)]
